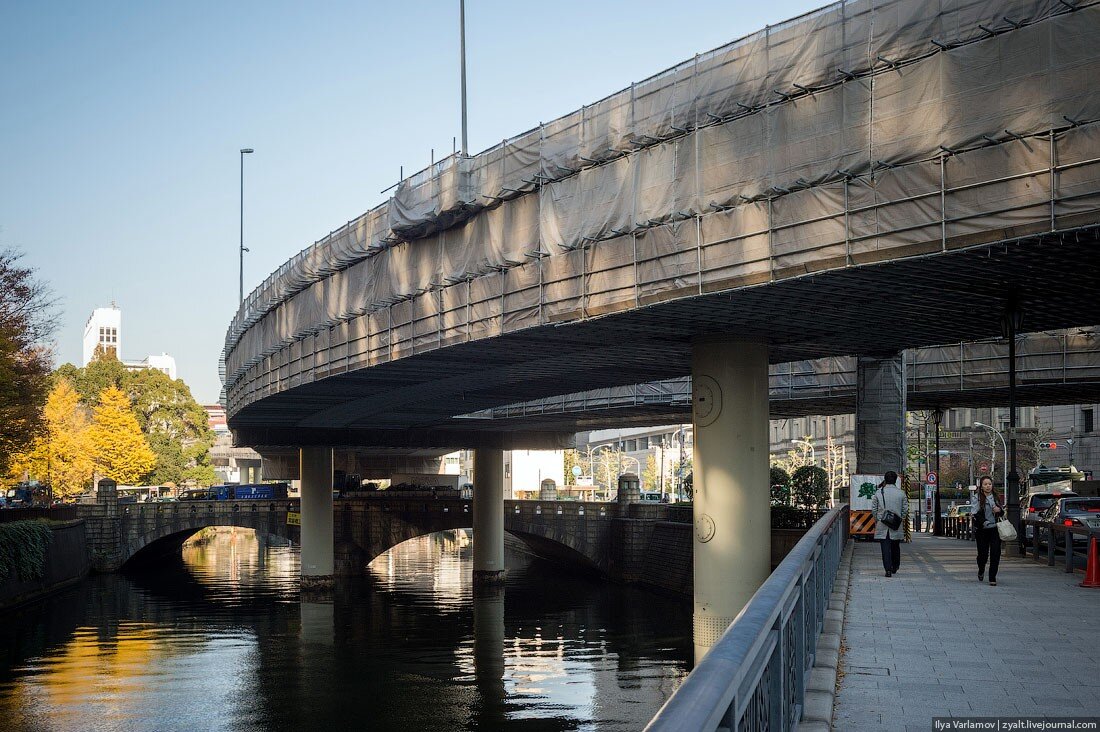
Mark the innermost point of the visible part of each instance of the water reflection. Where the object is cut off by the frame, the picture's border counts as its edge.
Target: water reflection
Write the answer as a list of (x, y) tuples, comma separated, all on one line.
[(224, 640)]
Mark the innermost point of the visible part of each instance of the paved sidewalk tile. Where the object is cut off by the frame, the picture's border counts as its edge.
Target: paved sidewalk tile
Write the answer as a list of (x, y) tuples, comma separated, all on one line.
[(933, 641)]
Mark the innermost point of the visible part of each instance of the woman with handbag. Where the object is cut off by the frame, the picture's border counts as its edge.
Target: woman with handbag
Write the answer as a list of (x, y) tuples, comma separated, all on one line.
[(890, 506), (985, 510)]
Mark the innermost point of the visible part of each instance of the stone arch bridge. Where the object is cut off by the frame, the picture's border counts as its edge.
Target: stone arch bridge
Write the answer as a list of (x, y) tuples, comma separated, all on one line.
[(618, 541), (138, 533)]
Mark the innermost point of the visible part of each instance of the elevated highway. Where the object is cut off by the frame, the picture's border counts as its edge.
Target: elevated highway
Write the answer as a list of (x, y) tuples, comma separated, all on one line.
[(854, 193), (867, 178)]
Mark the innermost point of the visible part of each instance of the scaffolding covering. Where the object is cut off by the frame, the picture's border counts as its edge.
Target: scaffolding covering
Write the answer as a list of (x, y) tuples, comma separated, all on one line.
[(860, 132)]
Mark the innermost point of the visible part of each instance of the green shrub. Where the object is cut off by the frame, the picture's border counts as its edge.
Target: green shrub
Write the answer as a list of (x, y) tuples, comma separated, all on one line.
[(781, 487), (810, 487), (23, 546)]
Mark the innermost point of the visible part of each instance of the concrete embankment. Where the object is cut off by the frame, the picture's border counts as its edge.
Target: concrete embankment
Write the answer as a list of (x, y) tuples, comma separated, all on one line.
[(66, 562)]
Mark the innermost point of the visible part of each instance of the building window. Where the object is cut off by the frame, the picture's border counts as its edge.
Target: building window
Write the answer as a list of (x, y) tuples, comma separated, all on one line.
[(1086, 421)]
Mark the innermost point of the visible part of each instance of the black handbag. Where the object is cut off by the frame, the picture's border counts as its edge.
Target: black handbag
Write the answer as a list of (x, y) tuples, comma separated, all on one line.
[(891, 519)]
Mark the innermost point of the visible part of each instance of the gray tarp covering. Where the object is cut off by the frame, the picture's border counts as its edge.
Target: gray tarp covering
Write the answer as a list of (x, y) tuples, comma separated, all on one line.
[(841, 137)]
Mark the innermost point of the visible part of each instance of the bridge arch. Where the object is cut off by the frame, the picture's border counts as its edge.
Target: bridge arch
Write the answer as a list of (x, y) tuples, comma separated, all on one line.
[(150, 532), (575, 533)]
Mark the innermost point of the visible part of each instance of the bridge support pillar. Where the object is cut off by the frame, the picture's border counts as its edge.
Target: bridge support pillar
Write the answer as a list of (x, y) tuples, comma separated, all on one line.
[(488, 516), (732, 542), (317, 519), (880, 414)]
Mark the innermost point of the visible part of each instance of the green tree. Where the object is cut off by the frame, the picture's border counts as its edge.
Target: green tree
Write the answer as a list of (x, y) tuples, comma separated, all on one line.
[(102, 372), (119, 449), (26, 320), (781, 487), (810, 486), (175, 424), (570, 458)]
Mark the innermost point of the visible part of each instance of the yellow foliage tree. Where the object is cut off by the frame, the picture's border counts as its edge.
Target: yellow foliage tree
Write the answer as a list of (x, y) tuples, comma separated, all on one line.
[(61, 456), (119, 448)]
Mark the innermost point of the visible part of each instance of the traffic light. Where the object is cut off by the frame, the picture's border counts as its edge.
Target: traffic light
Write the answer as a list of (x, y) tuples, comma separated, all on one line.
[(1049, 445)]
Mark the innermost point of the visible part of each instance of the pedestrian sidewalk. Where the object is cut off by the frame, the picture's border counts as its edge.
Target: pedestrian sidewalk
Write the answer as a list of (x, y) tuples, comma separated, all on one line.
[(931, 641)]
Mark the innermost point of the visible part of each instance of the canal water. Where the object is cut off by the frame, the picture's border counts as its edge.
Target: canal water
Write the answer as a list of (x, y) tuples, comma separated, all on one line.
[(221, 639)]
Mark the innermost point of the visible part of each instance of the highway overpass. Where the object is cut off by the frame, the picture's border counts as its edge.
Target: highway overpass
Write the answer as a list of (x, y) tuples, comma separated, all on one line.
[(867, 178)]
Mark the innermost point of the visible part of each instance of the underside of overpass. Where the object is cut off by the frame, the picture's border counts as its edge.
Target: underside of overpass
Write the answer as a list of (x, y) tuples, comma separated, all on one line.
[(927, 299)]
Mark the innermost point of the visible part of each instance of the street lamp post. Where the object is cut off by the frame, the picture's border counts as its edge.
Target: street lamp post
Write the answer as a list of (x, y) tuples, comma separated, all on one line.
[(592, 453), (244, 151), (813, 452), (937, 522), (637, 463), (997, 432), (680, 468), (1011, 323), (462, 66)]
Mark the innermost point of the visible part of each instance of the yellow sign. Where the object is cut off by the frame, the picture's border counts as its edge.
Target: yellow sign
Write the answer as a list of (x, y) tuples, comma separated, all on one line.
[(293, 518)]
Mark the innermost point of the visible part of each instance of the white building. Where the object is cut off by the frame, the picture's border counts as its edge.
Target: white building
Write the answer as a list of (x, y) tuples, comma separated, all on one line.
[(104, 329), (163, 362), (524, 471)]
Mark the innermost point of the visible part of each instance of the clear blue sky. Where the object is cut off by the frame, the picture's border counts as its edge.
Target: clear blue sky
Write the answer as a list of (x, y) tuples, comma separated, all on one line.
[(120, 125)]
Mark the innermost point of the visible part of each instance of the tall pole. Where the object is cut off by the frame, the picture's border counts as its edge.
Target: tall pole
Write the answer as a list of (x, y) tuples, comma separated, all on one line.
[(970, 458), (1013, 320), (462, 53), (244, 151), (937, 522)]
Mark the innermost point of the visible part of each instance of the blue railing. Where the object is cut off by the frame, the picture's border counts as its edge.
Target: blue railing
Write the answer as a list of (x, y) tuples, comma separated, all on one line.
[(754, 677)]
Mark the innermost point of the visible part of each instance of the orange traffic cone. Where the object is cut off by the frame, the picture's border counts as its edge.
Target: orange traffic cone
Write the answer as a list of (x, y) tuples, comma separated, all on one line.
[(1092, 571)]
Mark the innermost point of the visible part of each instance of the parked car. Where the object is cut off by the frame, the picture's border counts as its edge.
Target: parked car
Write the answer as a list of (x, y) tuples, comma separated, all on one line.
[(1073, 511), (961, 511), (1035, 504)]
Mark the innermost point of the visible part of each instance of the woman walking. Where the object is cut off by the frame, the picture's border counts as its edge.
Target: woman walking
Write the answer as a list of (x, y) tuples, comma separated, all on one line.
[(986, 509), (889, 499)]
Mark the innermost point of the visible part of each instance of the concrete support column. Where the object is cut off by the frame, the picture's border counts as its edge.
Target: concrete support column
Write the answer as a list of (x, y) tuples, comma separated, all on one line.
[(317, 552), (732, 543), (880, 415), (488, 516)]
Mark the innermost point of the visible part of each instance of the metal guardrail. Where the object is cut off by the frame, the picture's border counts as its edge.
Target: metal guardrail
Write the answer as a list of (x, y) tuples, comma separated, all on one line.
[(754, 677), (1045, 537), (1051, 531), (958, 527)]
